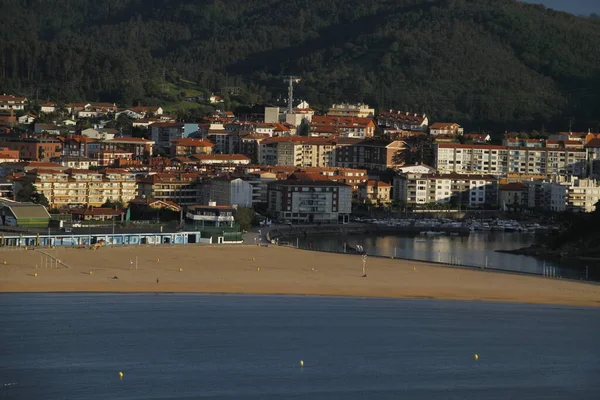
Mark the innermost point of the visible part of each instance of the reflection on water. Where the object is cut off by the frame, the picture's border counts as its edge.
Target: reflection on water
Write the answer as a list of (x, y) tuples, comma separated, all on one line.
[(477, 249)]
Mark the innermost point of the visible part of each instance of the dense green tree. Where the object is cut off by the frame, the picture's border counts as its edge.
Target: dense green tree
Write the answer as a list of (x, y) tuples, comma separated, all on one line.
[(29, 194), (495, 63), (244, 217)]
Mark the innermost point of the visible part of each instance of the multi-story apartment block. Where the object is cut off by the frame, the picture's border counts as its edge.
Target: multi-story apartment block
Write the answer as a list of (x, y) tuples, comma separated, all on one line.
[(181, 188), (297, 151), (309, 198), (403, 121), (164, 133), (249, 145), (226, 191), (368, 154), (350, 127), (81, 187), (185, 147), (563, 193), (351, 110), (458, 190), (36, 149), (140, 148), (76, 146), (503, 160)]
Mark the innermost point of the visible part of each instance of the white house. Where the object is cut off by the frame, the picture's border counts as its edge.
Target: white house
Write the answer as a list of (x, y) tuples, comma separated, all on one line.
[(26, 119), (105, 134), (48, 108)]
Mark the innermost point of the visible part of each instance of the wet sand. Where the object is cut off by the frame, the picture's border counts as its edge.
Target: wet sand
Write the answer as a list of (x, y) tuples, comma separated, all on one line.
[(272, 270)]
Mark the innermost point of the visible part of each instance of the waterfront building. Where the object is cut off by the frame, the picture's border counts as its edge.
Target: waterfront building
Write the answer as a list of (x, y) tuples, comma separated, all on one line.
[(309, 198), (513, 195), (181, 188), (228, 191), (455, 189), (80, 187), (211, 215), (28, 215), (573, 194), (376, 192), (504, 160)]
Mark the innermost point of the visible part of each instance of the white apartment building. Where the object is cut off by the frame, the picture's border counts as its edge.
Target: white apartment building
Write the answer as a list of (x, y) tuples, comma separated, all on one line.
[(459, 190), (351, 110), (573, 194), (503, 160), (82, 187)]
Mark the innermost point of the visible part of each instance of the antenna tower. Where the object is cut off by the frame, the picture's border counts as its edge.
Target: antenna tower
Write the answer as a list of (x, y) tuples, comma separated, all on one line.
[(291, 80)]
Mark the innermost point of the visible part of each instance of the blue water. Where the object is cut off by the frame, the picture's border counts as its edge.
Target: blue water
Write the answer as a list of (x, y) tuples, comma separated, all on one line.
[(72, 346)]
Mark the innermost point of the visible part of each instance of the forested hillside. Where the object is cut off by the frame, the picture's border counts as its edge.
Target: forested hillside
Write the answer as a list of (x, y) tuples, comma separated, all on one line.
[(468, 60)]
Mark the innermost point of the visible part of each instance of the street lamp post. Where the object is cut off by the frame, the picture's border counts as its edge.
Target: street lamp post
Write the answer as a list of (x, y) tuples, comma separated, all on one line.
[(364, 265)]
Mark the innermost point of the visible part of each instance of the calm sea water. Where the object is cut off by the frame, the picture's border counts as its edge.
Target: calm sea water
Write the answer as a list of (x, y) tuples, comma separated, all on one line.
[(477, 249), (72, 346)]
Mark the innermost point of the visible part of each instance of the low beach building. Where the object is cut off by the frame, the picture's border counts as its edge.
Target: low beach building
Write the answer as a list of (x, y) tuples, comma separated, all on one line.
[(23, 215)]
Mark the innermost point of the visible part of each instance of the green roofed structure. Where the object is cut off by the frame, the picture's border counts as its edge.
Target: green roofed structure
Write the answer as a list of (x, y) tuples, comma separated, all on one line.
[(23, 214)]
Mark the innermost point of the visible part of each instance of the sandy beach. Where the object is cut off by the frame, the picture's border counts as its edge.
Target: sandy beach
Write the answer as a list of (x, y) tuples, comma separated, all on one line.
[(272, 270)]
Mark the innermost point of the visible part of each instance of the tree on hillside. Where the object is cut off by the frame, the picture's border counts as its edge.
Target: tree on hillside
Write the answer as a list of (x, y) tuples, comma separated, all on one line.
[(29, 194)]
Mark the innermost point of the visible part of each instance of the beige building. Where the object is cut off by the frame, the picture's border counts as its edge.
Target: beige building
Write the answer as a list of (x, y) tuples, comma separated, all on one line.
[(376, 192), (351, 110), (81, 187), (297, 152)]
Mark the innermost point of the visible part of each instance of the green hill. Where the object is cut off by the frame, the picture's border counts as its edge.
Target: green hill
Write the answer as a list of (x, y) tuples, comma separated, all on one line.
[(481, 62)]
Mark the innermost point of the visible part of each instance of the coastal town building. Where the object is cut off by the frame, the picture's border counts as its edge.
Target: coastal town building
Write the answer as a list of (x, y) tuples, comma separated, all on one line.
[(140, 148), (297, 151), (351, 110), (226, 191), (402, 121), (26, 215), (573, 194), (454, 189), (503, 160), (10, 102), (211, 215), (349, 127), (309, 198), (36, 149), (188, 146), (76, 162), (513, 195), (8, 155), (445, 128), (181, 188), (80, 187), (369, 154), (375, 192), (163, 133)]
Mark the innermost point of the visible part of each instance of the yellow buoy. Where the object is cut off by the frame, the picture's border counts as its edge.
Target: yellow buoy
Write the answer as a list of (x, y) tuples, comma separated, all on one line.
[(414, 268), (301, 363), (476, 356), (4, 262), (158, 260), (91, 272), (35, 275), (253, 259), (120, 374), (258, 269), (180, 269)]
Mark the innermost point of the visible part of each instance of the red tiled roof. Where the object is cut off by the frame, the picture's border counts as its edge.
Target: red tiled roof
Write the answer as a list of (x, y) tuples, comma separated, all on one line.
[(192, 142)]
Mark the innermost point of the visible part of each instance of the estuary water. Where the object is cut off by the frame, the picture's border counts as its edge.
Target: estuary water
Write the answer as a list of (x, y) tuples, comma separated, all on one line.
[(477, 249), (170, 346)]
